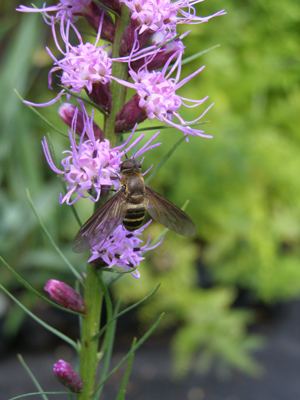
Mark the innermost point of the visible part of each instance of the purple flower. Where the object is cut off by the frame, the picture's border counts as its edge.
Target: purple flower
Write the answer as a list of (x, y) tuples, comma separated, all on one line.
[(71, 10), (64, 295), (64, 372), (123, 249), (83, 65), (156, 15), (91, 164), (66, 9), (158, 98), (159, 59)]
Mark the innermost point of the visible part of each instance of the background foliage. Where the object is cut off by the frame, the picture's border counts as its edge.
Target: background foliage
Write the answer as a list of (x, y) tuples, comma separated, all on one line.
[(243, 185)]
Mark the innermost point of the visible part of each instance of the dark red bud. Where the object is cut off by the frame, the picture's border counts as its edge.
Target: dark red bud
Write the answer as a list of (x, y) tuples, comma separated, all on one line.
[(94, 18), (127, 39), (114, 5), (157, 62), (101, 95), (64, 372), (130, 115), (64, 295), (66, 112)]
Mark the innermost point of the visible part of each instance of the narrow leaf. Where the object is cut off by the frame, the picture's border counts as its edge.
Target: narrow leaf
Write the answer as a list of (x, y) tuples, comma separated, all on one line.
[(54, 159), (164, 159), (76, 273), (156, 240), (51, 149), (125, 311), (107, 8), (111, 281), (197, 55), (132, 350), (107, 347), (41, 116), (33, 291), (35, 394), (118, 271), (74, 211), (122, 390), (33, 378), (160, 127), (87, 100), (46, 326)]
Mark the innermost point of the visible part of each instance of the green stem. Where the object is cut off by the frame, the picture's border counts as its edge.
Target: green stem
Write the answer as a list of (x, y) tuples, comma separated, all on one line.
[(119, 70), (90, 326)]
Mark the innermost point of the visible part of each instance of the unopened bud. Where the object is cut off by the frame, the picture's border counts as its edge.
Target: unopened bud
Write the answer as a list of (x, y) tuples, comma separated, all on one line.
[(64, 372), (128, 38), (162, 56), (65, 296), (101, 95), (66, 112), (94, 18), (114, 5), (130, 115)]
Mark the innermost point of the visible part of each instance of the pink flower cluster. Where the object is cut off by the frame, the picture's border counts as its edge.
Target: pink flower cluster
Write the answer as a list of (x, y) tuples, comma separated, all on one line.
[(152, 51), (123, 249), (88, 66)]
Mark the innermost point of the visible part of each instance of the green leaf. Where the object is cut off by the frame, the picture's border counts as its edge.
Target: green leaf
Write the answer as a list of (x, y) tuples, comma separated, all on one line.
[(40, 115), (33, 291), (54, 159), (87, 100), (160, 127), (132, 350), (106, 8), (197, 55), (76, 273), (36, 394), (33, 378), (164, 159), (122, 390), (107, 346), (46, 326), (111, 281), (125, 311)]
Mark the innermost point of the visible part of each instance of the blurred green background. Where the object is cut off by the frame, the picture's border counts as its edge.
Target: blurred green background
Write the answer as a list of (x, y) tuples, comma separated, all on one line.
[(243, 185)]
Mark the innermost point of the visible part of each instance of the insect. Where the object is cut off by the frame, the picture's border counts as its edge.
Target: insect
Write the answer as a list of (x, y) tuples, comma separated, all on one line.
[(128, 206)]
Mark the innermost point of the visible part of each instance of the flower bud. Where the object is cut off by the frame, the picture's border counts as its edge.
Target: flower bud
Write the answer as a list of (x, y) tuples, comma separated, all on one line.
[(114, 5), (64, 372), (94, 18), (160, 59), (130, 115), (66, 112), (101, 95), (65, 296), (128, 38)]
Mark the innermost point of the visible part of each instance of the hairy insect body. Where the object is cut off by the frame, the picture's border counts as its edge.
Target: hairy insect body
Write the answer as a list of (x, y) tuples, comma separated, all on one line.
[(135, 200), (128, 207)]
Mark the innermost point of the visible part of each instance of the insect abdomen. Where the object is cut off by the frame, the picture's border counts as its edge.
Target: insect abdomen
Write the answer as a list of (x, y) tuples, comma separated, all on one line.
[(134, 217)]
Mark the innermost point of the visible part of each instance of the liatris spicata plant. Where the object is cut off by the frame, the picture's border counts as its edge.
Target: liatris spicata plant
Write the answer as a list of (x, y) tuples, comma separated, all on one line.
[(141, 51)]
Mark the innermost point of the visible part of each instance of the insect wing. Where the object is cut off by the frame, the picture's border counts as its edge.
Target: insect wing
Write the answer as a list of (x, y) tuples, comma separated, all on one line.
[(101, 224), (168, 214)]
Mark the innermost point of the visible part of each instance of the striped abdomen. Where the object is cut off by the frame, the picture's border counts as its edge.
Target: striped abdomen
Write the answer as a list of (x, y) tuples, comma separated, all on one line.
[(134, 216)]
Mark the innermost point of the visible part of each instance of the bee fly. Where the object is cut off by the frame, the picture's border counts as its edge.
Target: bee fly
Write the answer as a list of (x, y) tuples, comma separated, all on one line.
[(128, 206)]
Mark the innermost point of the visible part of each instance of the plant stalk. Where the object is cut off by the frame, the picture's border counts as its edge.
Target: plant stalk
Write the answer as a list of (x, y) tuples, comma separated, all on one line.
[(119, 70), (90, 327)]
